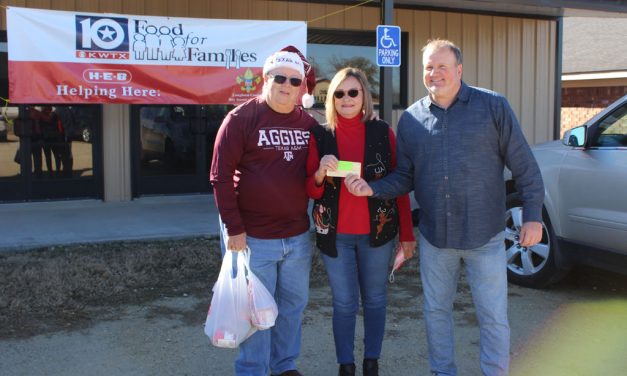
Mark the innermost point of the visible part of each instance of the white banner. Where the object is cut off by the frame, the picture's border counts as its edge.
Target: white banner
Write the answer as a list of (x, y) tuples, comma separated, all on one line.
[(57, 56)]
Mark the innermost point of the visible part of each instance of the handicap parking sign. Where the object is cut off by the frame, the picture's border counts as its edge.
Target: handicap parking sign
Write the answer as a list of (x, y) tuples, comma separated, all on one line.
[(388, 46)]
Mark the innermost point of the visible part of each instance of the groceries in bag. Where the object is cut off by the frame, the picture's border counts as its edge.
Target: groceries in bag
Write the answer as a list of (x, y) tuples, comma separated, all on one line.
[(243, 296), (229, 319)]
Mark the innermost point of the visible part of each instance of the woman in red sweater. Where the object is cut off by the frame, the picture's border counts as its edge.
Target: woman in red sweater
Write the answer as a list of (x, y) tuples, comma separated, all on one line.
[(355, 234)]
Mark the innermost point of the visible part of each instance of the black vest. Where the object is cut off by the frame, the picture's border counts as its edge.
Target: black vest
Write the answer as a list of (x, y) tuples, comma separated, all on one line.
[(377, 163)]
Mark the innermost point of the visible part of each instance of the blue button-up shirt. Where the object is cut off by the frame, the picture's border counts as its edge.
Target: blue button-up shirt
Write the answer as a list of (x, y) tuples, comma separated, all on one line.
[(454, 160)]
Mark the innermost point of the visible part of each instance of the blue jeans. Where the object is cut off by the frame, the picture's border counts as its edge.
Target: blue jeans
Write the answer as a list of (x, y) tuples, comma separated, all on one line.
[(283, 267), (486, 273), (358, 268)]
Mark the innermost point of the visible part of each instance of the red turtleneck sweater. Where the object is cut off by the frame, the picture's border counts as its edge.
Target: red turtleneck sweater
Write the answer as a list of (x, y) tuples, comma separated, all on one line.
[(353, 216)]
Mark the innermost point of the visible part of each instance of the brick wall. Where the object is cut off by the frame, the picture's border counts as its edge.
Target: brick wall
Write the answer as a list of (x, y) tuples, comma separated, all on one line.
[(580, 104), (574, 116), (591, 96)]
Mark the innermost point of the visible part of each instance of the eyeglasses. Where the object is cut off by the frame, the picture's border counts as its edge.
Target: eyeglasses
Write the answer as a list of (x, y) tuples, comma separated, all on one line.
[(339, 94), (280, 79)]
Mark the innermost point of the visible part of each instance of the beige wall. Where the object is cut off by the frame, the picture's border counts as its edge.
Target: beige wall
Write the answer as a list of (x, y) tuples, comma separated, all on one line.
[(513, 56)]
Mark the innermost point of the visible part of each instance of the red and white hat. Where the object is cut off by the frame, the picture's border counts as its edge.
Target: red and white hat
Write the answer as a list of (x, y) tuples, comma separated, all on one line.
[(290, 57)]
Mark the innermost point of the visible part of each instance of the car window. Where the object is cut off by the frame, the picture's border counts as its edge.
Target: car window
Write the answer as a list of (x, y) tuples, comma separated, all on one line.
[(612, 130)]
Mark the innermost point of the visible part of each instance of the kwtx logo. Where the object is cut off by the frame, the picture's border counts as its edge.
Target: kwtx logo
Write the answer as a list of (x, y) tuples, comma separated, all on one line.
[(102, 55), (102, 37)]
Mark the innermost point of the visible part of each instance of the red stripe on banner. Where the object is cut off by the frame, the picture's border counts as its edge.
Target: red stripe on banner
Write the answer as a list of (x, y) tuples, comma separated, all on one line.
[(51, 82)]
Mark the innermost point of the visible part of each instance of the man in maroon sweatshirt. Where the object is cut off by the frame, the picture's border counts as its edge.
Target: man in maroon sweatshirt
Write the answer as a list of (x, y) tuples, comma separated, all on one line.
[(258, 176)]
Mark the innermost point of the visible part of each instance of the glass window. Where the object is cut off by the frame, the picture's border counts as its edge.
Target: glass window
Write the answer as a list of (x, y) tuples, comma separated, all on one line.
[(9, 142), (9, 157), (331, 50), (59, 138), (167, 141), (172, 136), (78, 126), (612, 130), (172, 146)]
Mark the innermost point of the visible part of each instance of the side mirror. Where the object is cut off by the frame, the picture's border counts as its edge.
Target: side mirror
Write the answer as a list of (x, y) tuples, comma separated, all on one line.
[(575, 136)]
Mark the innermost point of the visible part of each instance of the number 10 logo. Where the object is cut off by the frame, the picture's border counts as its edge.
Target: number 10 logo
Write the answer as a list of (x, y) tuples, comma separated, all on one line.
[(109, 34)]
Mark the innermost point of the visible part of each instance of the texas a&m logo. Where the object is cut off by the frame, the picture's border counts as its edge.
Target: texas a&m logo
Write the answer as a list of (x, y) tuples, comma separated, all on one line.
[(287, 140), (102, 37)]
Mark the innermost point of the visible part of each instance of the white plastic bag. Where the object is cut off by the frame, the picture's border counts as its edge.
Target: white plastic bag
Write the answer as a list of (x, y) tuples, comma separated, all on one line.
[(263, 308), (229, 318)]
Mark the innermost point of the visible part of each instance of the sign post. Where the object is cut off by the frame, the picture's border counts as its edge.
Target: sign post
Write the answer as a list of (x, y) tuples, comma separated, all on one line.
[(388, 46)]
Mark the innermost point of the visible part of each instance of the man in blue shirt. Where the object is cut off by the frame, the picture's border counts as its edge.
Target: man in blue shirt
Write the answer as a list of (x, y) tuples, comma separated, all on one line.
[(453, 146)]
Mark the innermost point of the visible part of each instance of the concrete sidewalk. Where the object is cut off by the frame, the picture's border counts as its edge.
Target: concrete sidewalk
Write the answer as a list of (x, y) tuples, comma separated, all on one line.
[(31, 225)]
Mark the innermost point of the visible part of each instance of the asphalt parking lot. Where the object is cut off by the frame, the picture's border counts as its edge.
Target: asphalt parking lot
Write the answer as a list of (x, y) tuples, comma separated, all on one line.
[(574, 328)]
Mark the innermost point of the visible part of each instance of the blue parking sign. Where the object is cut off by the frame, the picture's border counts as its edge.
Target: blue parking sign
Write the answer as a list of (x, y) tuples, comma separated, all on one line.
[(388, 46)]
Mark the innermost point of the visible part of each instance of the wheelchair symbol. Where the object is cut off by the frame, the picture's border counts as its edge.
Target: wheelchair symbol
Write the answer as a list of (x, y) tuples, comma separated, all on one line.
[(386, 41)]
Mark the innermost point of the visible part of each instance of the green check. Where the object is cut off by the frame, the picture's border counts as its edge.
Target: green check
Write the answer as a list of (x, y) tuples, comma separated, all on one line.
[(344, 168)]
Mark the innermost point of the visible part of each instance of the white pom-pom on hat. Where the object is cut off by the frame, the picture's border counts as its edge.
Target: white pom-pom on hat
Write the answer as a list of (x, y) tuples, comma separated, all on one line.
[(308, 100)]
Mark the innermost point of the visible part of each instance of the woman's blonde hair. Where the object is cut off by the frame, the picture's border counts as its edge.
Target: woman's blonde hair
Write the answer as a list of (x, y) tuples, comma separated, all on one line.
[(329, 104)]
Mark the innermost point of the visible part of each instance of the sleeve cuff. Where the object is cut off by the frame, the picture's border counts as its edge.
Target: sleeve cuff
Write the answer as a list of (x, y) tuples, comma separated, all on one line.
[(373, 186), (533, 214)]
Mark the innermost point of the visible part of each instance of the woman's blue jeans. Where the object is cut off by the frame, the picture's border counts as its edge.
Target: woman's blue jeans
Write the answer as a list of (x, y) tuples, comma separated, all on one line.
[(486, 273), (358, 270)]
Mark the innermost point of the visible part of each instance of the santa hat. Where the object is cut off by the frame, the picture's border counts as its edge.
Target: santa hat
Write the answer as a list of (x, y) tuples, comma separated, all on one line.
[(290, 57)]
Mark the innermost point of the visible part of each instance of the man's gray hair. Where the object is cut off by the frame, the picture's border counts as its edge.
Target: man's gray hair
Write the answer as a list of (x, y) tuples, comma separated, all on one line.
[(436, 44)]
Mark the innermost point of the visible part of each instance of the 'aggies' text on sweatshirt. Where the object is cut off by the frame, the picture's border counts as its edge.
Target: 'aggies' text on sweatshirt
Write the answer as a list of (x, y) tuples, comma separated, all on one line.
[(258, 171)]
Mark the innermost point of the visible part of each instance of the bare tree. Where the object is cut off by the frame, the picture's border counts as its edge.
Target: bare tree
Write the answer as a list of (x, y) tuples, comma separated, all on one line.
[(370, 69)]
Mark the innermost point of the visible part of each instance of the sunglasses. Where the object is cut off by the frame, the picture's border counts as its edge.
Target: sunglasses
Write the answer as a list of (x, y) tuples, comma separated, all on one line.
[(351, 93), (280, 79)]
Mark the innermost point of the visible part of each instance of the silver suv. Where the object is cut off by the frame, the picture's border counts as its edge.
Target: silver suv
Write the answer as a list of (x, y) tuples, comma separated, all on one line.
[(585, 204)]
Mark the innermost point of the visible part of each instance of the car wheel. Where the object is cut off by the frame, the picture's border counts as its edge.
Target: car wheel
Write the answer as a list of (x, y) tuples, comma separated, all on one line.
[(533, 266)]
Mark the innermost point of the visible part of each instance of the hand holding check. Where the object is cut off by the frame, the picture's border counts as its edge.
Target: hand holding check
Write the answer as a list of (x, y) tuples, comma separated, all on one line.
[(327, 163)]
